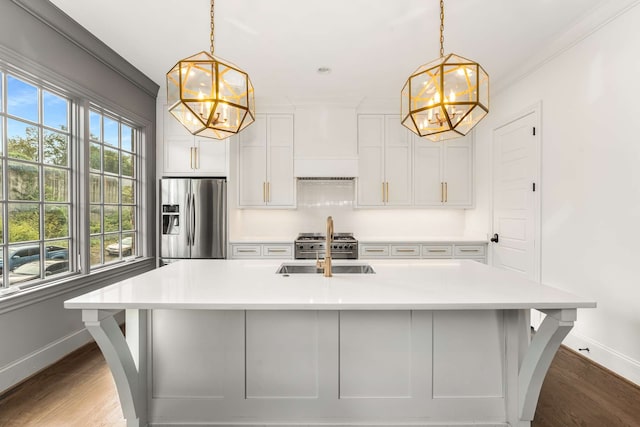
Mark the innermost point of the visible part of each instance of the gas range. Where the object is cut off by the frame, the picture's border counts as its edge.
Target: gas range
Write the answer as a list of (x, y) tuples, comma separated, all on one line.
[(312, 246)]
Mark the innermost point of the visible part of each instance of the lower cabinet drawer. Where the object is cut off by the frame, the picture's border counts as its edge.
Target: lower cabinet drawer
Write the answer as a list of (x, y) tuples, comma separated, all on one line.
[(469, 251), (246, 251), (277, 251), (374, 251), (436, 251), (403, 251)]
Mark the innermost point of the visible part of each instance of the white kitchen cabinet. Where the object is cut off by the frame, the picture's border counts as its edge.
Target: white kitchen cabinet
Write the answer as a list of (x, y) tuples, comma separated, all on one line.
[(443, 172), (186, 155), (266, 162), (437, 251), (384, 153), (426, 250), (373, 250), (261, 250), (405, 251)]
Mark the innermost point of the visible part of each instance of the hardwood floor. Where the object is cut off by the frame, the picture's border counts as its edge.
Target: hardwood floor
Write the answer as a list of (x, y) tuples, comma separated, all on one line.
[(79, 391)]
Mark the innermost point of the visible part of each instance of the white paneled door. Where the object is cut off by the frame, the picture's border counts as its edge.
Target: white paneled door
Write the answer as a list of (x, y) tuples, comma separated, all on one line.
[(515, 196)]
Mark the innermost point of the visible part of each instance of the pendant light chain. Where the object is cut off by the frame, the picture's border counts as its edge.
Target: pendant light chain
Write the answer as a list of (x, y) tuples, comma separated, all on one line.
[(441, 28), (212, 28)]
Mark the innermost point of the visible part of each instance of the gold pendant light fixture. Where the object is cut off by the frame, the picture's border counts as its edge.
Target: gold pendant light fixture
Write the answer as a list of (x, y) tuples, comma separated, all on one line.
[(445, 98), (211, 97)]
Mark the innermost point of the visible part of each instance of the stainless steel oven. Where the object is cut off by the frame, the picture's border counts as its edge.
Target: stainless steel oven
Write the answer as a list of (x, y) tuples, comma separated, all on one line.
[(312, 246)]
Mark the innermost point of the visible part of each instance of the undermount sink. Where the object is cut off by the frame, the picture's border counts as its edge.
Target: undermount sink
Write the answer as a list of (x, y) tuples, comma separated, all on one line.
[(336, 269)]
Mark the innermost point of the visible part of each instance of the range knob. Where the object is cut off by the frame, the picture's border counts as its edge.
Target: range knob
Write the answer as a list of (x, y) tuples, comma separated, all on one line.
[(311, 247)]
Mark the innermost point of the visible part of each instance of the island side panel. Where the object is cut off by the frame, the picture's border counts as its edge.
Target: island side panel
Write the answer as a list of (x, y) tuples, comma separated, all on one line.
[(333, 367)]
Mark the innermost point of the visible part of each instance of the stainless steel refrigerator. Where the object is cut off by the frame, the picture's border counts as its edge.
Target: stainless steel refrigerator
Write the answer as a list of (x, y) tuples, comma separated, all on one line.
[(193, 218)]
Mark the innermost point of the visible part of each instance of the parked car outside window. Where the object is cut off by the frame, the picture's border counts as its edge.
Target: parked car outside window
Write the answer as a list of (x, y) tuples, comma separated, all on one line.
[(23, 254), (31, 270)]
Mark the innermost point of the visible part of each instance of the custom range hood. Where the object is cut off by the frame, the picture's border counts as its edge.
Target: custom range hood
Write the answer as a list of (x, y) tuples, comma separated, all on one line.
[(326, 142)]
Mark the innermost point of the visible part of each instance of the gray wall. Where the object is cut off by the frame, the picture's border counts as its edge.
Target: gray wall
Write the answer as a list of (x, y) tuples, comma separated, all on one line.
[(35, 329)]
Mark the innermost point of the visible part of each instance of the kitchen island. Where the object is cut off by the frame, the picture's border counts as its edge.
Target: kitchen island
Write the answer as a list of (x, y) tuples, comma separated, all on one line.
[(420, 342)]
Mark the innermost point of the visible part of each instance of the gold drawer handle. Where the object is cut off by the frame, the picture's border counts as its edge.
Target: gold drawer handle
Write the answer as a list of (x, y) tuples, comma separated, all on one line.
[(469, 250), (437, 250), (276, 250), (405, 250), (374, 250), (247, 250)]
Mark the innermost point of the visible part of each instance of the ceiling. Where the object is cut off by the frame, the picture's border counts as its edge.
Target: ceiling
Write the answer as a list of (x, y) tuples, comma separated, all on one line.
[(371, 46)]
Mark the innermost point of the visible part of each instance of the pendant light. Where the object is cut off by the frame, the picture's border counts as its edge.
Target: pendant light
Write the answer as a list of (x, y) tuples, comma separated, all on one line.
[(447, 97), (211, 97)]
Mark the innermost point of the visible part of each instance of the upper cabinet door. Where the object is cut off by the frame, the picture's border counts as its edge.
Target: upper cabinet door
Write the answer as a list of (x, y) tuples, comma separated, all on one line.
[(266, 162), (252, 176), (458, 170), (397, 169), (281, 182), (371, 186), (428, 183), (186, 155), (443, 172)]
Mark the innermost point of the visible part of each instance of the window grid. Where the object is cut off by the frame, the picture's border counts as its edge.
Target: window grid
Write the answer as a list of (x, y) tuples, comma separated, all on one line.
[(38, 203), (35, 181), (113, 190)]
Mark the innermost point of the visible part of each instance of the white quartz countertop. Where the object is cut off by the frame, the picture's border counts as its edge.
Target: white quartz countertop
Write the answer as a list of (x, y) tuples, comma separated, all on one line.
[(397, 284)]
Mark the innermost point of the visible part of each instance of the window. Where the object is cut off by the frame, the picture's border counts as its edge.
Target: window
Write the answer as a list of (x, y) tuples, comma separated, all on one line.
[(112, 189), (35, 173), (39, 168)]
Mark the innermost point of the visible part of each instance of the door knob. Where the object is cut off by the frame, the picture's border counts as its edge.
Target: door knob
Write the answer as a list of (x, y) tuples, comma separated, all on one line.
[(495, 238)]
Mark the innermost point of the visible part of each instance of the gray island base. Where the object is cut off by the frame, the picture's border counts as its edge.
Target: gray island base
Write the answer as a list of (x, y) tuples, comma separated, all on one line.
[(420, 342)]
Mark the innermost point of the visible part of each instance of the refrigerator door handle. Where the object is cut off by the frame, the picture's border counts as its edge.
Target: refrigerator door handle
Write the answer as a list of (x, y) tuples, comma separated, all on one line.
[(193, 219), (187, 217)]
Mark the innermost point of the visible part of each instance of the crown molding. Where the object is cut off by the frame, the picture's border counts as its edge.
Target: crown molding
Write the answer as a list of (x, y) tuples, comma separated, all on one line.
[(590, 23), (47, 13)]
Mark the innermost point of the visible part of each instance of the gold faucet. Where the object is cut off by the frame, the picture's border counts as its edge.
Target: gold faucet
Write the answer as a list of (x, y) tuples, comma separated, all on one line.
[(325, 264)]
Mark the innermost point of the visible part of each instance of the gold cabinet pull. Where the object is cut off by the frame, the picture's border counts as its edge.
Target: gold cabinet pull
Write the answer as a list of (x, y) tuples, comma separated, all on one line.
[(437, 250), (374, 250), (253, 251), (446, 192), (276, 250), (406, 250), (469, 250)]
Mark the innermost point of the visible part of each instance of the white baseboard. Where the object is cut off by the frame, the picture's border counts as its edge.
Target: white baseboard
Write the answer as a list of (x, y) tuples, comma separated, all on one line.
[(23, 368), (605, 356)]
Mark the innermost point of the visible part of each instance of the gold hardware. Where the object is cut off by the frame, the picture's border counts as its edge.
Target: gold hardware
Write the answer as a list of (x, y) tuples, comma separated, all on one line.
[(247, 251), (264, 192), (405, 250), (325, 264), (442, 192), (468, 250), (437, 250), (446, 192), (374, 250), (277, 250)]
